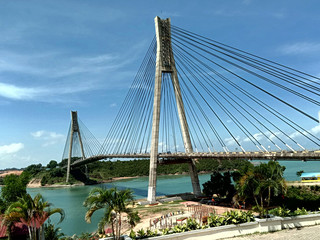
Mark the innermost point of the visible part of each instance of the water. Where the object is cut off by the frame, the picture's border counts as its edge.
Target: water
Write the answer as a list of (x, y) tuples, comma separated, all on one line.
[(71, 199)]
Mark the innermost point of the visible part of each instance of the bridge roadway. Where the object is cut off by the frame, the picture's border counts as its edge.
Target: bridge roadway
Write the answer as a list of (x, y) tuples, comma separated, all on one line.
[(180, 157)]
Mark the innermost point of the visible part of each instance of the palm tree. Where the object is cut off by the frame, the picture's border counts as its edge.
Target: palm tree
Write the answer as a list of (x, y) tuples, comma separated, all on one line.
[(51, 232), (8, 219), (115, 202), (33, 212), (262, 182)]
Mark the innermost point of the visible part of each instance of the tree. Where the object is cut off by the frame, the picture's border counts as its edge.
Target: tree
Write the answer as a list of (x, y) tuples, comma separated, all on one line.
[(34, 169), (261, 183), (33, 212), (52, 164), (51, 232), (219, 184), (299, 173), (14, 187), (115, 203)]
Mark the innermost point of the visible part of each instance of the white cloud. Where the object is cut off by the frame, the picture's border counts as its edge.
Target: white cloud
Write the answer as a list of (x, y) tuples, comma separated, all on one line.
[(273, 136), (257, 136), (113, 105), (230, 141), (48, 138), (300, 48), (11, 148), (315, 131), (18, 93)]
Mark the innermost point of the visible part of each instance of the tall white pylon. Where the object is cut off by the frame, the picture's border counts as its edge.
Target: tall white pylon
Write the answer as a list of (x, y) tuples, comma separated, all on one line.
[(74, 130), (165, 64)]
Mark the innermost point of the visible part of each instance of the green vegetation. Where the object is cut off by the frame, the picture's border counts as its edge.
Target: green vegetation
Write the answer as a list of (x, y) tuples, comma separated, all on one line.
[(261, 183), (284, 212), (219, 184), (109, 169), (230, 217), (13, 189), (303, 196), (33, 212), (115, 203), (53, 173), (18, 206)]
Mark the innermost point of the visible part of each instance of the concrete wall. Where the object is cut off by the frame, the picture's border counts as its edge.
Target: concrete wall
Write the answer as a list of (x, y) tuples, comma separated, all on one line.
[(259, 226)]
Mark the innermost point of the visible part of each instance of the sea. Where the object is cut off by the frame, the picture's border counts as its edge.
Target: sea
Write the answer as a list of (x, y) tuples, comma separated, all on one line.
[(71, 198)]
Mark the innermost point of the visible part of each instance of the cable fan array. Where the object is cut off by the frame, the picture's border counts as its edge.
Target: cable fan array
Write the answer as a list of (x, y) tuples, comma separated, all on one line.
[(91, 145), (233, 101)]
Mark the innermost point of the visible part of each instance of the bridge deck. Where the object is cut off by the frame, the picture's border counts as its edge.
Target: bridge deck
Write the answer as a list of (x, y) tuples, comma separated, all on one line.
[(283, 155)]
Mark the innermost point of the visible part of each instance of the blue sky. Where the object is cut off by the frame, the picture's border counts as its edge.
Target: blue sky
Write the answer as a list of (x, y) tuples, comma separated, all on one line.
[(58, 56)]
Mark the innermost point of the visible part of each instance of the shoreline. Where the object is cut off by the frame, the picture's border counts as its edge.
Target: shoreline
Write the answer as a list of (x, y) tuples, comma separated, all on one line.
[(35, 183)]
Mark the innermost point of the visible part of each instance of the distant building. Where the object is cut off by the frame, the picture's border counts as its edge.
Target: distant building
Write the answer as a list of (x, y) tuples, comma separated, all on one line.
[(310, 177), (19, 231)]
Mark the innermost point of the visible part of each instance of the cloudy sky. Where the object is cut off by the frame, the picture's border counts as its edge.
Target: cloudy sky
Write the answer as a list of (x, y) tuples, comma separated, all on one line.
[(63, 55)]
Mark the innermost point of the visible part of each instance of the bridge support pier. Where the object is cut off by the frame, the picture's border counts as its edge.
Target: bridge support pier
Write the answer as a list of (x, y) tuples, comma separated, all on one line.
[(165, 64)]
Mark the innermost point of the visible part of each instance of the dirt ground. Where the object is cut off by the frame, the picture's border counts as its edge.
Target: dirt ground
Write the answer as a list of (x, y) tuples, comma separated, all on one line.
[(5, 173)]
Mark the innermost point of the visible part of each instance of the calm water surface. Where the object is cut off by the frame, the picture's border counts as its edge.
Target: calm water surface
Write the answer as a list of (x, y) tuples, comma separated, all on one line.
[(71, 199)]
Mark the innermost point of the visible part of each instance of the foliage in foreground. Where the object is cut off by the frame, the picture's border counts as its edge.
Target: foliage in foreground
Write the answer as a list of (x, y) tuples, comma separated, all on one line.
[(219, 184), (284, 212), (230, 217), (32, 212), (115, 203), (15, 187), (261, 183), (303, 196)]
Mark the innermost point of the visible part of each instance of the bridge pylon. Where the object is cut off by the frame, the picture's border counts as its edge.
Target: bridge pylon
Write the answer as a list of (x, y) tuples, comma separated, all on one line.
[(74, 135), (165, 64)]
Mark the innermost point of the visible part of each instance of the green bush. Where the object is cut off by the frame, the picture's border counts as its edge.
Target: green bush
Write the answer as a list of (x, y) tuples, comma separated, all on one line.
[(283, 212), (299, 197)]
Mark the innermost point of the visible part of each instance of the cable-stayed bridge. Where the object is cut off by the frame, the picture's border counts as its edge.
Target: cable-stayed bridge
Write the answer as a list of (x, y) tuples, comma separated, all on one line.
[(194, 98)]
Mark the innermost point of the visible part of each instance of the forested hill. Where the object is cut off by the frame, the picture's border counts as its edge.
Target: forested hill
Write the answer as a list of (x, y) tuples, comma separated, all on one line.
[(110, 169), (106, 170)]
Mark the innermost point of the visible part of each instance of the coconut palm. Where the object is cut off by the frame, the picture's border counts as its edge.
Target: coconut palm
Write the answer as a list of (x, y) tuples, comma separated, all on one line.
[(33, 212), (51, 232), (8, 219), (115, 203), (262, 182)]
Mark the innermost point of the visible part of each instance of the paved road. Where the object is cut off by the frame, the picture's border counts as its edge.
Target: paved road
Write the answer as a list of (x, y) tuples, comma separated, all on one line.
[(306, 233)]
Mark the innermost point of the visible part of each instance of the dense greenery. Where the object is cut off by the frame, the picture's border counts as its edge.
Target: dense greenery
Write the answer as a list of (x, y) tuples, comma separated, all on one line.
[(284, 212), (303, 196), (111, 169), (261, 183), (115, 204), (227, 218), (33, 212), (18, 206), (13, 189), (104, 170), (219, 184)]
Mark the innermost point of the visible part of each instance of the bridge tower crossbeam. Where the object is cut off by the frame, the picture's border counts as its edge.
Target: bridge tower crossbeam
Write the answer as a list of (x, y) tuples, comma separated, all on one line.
[(165, 64)]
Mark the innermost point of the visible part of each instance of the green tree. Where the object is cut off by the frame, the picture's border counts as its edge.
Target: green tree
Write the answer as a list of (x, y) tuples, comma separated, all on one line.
[(51, 232), (34, 169), (115, 203), (14, 187), (33, 212), (261, 183), (219, 184), (52, 164), (299, 173)]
